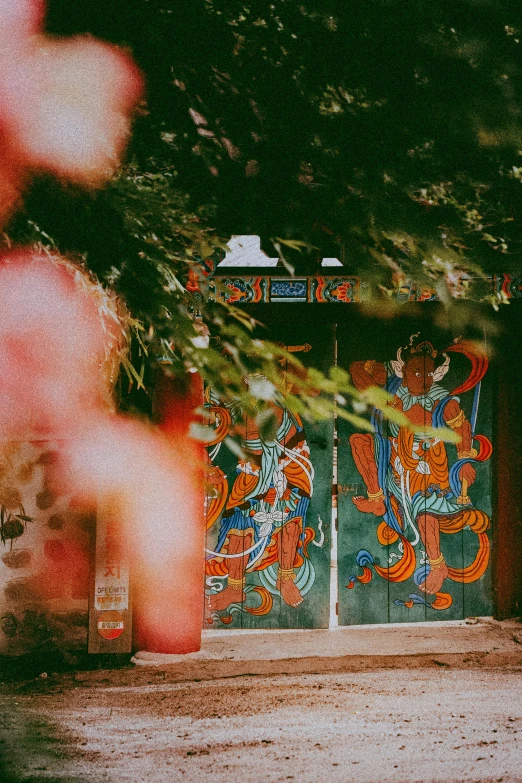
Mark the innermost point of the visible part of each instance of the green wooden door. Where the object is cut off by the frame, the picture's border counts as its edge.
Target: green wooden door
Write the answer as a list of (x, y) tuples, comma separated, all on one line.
[(269, 512), (414, 513)]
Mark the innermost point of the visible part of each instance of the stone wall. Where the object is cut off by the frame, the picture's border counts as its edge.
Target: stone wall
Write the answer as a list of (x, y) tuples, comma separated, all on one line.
[(44, 554)]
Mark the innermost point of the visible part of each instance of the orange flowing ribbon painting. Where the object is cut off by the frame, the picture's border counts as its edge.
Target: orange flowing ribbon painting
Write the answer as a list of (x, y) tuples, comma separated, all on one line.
[(256, 515), (418, 485)]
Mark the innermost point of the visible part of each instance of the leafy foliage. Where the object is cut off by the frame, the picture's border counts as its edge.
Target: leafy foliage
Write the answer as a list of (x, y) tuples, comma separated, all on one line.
[(369, 118), (386, 128)]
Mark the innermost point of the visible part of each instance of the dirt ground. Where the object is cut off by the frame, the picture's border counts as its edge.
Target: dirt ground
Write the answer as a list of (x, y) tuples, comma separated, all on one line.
[(431, 722)]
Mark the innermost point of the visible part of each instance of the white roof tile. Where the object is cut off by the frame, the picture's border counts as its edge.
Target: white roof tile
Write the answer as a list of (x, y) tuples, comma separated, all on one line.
[(245, 251), (331, 262)]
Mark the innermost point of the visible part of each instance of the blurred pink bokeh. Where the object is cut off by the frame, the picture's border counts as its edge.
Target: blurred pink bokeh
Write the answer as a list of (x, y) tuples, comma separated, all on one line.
[(66, 105)]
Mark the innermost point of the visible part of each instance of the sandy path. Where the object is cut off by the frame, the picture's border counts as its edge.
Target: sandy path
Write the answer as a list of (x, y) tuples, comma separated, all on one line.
[(431, 725)]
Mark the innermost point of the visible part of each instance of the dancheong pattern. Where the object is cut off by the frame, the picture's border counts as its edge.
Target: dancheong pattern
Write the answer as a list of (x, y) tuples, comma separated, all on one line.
[(346, 290), (508, 286), (335, 289), (238, 290), (251, 290)]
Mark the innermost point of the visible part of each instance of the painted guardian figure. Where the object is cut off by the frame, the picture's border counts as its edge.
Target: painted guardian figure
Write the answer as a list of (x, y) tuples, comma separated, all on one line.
[(408, 480), (263, 538)]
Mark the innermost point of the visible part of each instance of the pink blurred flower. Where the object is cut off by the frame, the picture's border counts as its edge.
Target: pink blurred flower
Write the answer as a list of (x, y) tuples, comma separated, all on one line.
[(52, 347), (66, 108), (65, 104), (19, 19)]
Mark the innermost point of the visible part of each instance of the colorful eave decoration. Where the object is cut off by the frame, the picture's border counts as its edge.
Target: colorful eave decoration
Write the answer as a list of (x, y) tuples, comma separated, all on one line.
[(243, 289)]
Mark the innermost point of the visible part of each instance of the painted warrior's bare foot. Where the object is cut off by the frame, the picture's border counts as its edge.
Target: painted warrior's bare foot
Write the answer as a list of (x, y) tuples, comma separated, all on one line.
[(434, 580), (370, 505), (289, 592), (219, 601)]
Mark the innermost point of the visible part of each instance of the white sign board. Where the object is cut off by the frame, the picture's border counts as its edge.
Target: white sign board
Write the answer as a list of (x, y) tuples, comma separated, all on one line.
[(111, 588)]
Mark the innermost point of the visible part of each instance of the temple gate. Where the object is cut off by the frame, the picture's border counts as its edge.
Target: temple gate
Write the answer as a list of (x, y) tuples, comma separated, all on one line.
[(416, 546)]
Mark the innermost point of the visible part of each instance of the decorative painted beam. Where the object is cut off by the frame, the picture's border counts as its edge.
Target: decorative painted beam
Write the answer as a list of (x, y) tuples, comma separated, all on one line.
[(253, 290)]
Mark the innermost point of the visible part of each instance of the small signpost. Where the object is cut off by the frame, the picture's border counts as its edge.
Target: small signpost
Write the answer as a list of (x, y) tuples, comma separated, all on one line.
[(110, 608)]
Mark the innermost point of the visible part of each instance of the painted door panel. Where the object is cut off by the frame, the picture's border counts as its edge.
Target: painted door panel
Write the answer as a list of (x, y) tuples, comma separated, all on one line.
[(384, 551), (266, 508), (381, 569)]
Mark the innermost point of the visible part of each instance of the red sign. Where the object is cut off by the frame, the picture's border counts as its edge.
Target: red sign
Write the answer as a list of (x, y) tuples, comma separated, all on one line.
[(110, 625)]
